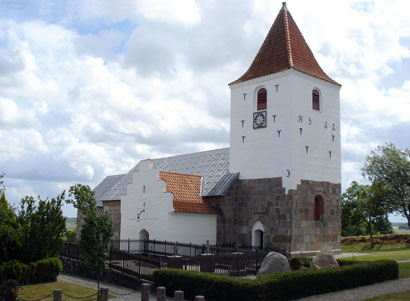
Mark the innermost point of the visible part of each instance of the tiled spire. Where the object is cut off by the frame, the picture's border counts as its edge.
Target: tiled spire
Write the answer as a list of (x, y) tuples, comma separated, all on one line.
[(284, 48)]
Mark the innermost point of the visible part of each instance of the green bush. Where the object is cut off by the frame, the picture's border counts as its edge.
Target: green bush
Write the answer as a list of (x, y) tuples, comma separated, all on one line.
[(8, 290), (214, 287), (11, 270), (281, 286), (298, 263), (47, 270)]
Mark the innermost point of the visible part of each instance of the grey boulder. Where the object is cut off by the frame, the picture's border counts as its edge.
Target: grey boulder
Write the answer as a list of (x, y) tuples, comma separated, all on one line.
[(274, 263), (325, 259)]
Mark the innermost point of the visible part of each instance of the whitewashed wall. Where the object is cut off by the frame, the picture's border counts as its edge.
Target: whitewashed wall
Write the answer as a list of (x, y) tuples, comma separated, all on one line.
[(160, 219), (264, 154)]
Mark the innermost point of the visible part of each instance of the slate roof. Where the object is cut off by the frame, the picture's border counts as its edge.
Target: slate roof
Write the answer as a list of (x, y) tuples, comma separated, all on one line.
[(212, 165), (284, 48), (186, 192)]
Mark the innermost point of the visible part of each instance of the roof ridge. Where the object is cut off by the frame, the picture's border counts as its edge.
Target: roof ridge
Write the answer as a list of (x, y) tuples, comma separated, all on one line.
[(287, 36)]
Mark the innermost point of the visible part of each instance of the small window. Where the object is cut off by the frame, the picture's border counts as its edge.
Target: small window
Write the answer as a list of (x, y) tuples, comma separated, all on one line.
[(315, 100), (262, 99), (319, 208)]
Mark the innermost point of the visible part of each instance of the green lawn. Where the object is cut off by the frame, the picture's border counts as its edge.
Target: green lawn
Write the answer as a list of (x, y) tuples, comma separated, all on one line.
[(394, 254), (38, 291)]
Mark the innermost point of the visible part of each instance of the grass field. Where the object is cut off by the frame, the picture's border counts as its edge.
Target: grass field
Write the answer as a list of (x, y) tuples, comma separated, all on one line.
[(71, 223), (38, 291), (394, 254)]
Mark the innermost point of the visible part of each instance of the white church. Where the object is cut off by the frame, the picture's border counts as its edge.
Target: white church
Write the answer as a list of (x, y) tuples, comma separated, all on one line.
[(277, 185)]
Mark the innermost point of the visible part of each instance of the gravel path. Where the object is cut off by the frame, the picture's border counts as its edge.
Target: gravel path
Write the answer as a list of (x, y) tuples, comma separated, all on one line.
[(365, 292)]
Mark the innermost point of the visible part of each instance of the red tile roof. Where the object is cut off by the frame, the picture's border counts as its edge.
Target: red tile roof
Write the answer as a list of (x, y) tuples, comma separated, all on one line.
[(284, 48), (186, 191)]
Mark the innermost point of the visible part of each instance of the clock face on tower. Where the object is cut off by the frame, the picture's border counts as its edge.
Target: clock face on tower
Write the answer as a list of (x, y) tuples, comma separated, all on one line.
[(259, 119)]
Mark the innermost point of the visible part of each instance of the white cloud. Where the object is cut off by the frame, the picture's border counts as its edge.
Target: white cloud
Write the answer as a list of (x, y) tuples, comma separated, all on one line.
[(111, 83)]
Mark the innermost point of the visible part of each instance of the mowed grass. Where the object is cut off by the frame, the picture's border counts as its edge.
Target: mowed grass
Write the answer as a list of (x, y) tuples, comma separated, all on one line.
[(394, 254), (38, 291)]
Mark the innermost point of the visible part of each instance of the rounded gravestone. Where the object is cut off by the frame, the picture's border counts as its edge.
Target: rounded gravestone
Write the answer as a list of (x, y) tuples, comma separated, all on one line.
[(325, 259), (274, 263)]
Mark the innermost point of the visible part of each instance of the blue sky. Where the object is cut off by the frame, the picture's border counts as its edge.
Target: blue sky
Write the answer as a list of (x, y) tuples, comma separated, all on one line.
[(88, 88)]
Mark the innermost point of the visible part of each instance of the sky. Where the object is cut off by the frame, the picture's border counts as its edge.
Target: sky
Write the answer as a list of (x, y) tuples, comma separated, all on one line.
[(90, 87)]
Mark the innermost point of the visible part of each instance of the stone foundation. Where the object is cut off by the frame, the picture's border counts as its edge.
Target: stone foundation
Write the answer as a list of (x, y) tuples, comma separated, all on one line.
[(287, 218)]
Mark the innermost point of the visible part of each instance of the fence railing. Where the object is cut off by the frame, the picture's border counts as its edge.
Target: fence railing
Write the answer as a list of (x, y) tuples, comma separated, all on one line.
[(140, 258), (166, 248)]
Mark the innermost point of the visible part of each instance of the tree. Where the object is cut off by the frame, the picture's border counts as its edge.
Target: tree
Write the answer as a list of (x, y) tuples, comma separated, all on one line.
[(362, 209), (43, 227), (10, 231), (96, 232), (391, 167)]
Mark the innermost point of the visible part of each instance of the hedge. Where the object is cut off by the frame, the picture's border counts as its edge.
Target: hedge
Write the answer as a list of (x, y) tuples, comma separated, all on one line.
[(212, 286), (281, 286), (44, 270)]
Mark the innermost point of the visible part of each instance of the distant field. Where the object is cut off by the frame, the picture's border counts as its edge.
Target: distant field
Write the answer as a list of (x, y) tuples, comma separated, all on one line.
[(71, 223), (381, 242)]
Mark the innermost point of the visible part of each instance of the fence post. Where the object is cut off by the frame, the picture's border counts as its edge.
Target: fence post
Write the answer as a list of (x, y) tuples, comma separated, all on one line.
[(57, 295), (104, 294), (154, 247), (161, 293), (145, 289), (165, 247), (199, 298), (179, 296), (128, 246)]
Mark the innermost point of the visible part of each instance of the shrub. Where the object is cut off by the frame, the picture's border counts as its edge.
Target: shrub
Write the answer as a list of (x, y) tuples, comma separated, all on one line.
[(47, 270), (8, 290), (302, 283), (281, 286), (11, 270), (214, 287), (298, 263)]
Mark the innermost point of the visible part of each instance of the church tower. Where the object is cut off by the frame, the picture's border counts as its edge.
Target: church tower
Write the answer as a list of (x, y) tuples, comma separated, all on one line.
[(285, 113), (285, 146)]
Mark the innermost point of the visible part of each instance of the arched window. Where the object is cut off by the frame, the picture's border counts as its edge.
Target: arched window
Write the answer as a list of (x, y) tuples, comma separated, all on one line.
[(262, 99), (315, 100), (319, 208)]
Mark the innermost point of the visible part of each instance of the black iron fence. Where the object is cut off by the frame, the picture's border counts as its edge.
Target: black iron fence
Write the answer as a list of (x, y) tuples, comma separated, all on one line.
[(140, 258), (167, 248)]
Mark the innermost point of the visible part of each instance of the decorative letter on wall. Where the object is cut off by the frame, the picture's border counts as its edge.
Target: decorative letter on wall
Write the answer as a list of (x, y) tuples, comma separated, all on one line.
[(274, 118), (288, 171), (277, 87), (300, 118), (310, 120), (279, 133), (243, 139), (307, 149), (325, 124), (300, 131), (334, 127), (242, 121), (244, 96), (333, 138), (330, 154)]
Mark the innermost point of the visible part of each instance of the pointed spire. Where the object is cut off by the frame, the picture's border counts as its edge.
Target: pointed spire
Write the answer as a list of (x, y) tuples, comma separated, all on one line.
[(284, 48)]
